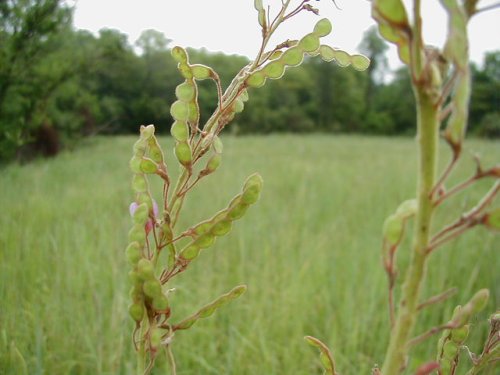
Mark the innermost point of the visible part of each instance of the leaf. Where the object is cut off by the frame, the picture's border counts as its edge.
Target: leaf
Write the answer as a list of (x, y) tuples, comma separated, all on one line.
[(325, 356), (209, 309)]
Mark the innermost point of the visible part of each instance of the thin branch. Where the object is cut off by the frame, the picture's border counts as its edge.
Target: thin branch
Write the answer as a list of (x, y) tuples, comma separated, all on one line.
[(424, 336), (444, 176), (438, 298), (487, 8)]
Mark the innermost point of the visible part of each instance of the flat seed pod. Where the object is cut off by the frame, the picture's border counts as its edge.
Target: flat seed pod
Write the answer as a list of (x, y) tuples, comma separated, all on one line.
[(179, 110), (342, 58), (179, 54), (275, 55), (139, 183), (135, 164), (136, 311), (309, 43), (180, 131), (237, 212), (459, 335), (190, 252), (141, 214), (292, 56), (202, 228), (274, 70), (222, 228), (238, 106), (244, 96), (148, 166), (213, 163), (327, 53), (194, 112), (185, 91), (360, 62), (393, 229), (137, 234), (257, 79), (139, 148), (147, 131), (185, 70), (218, 146), (323, 27), (205, 241), (183, 153), (155, 152), (201, 71), (133, 253), (450, 350)]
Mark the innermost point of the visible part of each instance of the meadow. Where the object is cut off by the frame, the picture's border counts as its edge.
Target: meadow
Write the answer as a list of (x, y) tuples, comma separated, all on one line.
[(309, 252)]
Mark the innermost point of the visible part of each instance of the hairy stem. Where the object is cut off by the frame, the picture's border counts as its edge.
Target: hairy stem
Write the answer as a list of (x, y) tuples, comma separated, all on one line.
[(428, 131)]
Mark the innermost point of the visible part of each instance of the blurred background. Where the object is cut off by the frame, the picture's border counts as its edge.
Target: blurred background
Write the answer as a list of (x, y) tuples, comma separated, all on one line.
[(60, 82)]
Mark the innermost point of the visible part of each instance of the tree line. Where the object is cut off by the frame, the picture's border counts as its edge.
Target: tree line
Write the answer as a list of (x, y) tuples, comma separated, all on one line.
[(58, 84)]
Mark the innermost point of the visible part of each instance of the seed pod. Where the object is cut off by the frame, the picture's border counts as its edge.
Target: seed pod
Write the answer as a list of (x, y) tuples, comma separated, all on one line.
[(133, 253), (292, 56), (257, 79), (360, 62), (201, 72), (148, 166), (180, 131), (237, 211), (179, 110), (139, 183), (342, 58), (213, 163), (147, 132), (275, 55), (160, 303), (145, 269), (155, 152), (190, 252), (309, 43), (251, 189), (274, 70), (222, 228), (393, 229), (238, 106), (194, 112), (183, 153), (152, 288), (185, 70), (139, 148), (137, 234), (134, 278), (450, 350), (459, 335), (179, 54), (327, 53), (185, 91), (323, 27), (136, 311), (145, 198), (155, 337), (136, 293), (135, 164), (445, 366), (218, 146), (202, 228), (204, 241)]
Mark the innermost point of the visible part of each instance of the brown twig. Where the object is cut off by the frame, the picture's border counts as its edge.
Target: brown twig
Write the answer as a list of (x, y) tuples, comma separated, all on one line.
[(438, 298), (424, 336)]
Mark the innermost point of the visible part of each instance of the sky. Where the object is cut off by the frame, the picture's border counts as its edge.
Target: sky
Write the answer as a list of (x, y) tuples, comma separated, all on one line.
[(231, 26)]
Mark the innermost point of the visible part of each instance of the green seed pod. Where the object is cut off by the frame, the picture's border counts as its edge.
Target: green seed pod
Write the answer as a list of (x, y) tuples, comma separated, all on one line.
[(360, 62), (185, 71), (134, 278), (133, 253), (393, 229), (251, 189), (257, 79), (183, 153), (205, 241), (148, 166), (238, 106), (139, 148), (237, 212), (194, 112), (179, 110), (145, 198), (218, 146), (342, 58), (136, 311), (136, 293), (459, 335), (139, 183), (254, 180), (323, 27), (152, 288), (275, 55), (145, 269), (180, 131), (309, 43), (137, 234), (450, 350), (160, 303), (274, 70), (155, 338), (185, 91), (190, 252), (479, 300), (201, 72), (292, 56), (147, 132), (222, 228), (135, 164), (202, 228), (213, 163), (445, 366), (327, 53), (179, 54), (155, 152)]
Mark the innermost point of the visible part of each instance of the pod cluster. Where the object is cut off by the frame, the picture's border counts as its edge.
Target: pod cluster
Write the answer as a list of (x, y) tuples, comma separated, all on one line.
[(452, 339), (146, 288), (308, 45), (205, 233)]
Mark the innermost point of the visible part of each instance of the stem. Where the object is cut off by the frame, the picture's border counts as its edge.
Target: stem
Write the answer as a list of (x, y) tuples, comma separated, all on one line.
[(428, 131), (171, 360), (141, 351)]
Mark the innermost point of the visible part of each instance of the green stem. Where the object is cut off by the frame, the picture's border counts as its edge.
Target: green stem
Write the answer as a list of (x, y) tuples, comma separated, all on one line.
[(141, 351), (428, 131)]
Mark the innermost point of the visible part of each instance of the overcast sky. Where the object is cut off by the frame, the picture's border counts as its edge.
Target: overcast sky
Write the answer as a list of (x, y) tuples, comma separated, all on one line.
[(231, 26)]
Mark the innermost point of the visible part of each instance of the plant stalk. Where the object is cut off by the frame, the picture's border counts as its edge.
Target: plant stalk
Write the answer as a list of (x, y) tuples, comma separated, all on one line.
[(141, 352), (428, 132)]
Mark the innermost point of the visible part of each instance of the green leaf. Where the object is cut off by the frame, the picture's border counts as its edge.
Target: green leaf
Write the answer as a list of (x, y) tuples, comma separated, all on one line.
[(209, 309)]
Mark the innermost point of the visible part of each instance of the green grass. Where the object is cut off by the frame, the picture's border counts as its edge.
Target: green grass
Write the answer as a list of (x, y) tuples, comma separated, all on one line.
[(309, 252)]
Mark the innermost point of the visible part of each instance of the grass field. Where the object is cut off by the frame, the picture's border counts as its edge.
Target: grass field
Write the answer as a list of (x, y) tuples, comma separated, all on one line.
[(309, 252)]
